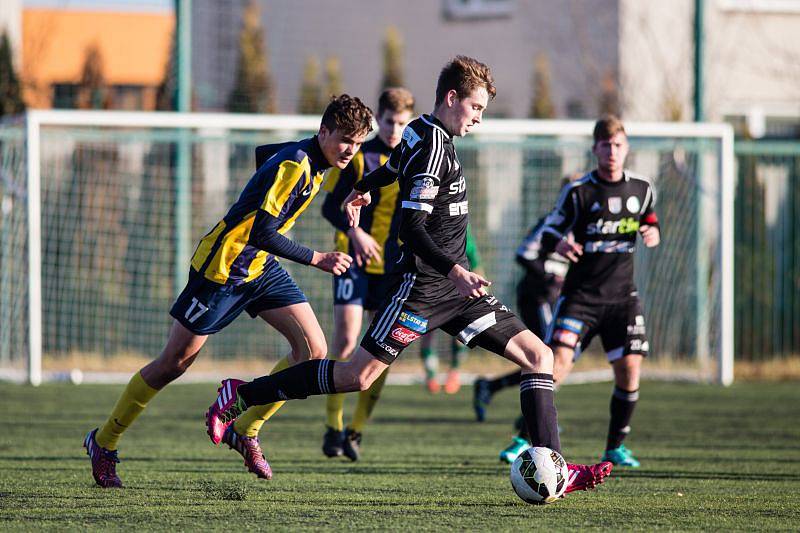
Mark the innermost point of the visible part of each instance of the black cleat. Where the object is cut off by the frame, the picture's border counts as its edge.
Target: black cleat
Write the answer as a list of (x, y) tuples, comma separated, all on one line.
[(352, 444), (332, 442)]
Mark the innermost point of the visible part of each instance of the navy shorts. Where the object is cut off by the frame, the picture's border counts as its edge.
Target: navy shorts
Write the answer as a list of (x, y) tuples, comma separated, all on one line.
[(205, 307), (356, 287)]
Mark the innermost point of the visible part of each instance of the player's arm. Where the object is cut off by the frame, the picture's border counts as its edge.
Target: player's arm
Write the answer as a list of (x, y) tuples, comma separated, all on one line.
[(559, 223), (290, 180), (339, 184), (649, 226), (382, 176)]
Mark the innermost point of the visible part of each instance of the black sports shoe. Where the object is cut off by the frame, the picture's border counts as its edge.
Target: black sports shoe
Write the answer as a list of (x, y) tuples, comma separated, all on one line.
[(332, 442), (352, 444)]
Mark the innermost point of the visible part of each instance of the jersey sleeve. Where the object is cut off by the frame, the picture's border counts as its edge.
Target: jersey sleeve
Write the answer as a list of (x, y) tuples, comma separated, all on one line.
[(290, 179), (561, 220), (648, 214), (422, 175)]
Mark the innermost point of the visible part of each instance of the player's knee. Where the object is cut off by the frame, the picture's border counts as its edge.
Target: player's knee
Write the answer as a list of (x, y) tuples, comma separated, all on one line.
[(318, 349), (343, 347), (538, 356)]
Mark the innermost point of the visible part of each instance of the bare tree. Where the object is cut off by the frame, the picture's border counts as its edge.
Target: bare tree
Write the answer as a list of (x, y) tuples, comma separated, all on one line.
[(254, 91), (392, 59), (333, 76), (541, 102), (311, 101), (10, 93), (93, 90)]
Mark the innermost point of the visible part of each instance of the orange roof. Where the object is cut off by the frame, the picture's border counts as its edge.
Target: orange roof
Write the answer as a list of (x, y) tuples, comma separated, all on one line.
[(134, 46)]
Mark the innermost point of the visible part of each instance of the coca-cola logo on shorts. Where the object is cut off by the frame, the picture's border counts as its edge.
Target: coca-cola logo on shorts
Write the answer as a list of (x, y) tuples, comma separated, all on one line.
[(404, 336)]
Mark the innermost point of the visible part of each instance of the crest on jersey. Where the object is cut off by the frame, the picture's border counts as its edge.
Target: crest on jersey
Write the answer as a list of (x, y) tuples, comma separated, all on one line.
[(633, 204), (595, 207), (410, 137), (615, 204)]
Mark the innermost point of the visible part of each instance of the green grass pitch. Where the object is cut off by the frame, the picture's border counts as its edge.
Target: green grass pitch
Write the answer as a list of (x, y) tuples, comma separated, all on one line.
[(713, 459)]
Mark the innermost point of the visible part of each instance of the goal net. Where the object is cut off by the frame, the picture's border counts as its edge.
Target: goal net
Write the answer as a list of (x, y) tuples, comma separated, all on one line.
[(100, 212)]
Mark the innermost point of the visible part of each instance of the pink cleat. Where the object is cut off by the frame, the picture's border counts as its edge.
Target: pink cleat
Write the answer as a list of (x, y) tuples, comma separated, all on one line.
[(104, 463), (585, 477), (224, 411), (250, 449)]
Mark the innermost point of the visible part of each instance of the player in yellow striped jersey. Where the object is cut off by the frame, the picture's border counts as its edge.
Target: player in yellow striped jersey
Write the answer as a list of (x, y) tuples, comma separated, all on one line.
[(235, 269), (375, 246)]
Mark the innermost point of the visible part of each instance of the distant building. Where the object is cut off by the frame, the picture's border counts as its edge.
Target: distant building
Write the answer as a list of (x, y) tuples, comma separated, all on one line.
[(134, 48), (639, 52)]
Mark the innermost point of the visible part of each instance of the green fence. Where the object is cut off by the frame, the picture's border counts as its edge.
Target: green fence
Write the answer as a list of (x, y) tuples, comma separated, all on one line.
[(767, 296)]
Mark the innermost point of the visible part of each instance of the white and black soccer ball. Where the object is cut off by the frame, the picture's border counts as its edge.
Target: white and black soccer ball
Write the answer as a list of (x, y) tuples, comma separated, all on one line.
[(539, 475)]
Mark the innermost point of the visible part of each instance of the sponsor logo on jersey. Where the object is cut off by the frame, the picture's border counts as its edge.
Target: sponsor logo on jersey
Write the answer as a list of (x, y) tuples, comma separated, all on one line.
[(569, 338), (595, 207), (413, 322), (637, 328), (388, 348), (458, 208), (609, 247), (404, 336), (424, 189), (632, 204), (570, 324), (615, 204), (410, 136), (458, 186), (612, 227)]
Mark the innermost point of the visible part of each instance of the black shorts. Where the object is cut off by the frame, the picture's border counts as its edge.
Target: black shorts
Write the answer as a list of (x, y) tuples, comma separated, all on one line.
[(620, 326), (416, 306), (357, 287)]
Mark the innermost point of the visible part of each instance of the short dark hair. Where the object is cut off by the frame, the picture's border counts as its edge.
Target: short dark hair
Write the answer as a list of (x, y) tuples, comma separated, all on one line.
[(464, 74), (607, 127), (348, 114), (396, 100)]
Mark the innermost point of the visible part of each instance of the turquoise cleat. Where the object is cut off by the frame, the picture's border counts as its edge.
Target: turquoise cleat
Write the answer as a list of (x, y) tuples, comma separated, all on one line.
[(621, 456), (517, 446)]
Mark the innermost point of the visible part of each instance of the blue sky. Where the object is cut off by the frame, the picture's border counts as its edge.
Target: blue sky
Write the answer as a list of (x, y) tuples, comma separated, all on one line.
[(126, 5)]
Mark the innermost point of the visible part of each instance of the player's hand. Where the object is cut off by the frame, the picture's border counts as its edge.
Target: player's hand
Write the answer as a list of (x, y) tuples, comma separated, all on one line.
[(468, 284), (570, 250), (650, 235), (353, 204), (336, 263), (365, 247)]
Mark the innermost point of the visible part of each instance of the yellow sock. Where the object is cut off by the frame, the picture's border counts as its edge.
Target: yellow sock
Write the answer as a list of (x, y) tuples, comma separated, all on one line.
[(249, 423), (334, 409), (132, 402), (366, 402)]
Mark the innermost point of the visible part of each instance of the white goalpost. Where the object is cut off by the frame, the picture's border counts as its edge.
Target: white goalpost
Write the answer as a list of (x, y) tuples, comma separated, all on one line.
[(115, 201)]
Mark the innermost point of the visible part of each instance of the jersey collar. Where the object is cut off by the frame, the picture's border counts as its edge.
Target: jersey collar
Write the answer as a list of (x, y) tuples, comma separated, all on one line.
[(436, 123), (315, 156)]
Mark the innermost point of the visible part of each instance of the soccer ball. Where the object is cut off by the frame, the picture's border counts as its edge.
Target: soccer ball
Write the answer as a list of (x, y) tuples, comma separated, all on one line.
[(539, 475)]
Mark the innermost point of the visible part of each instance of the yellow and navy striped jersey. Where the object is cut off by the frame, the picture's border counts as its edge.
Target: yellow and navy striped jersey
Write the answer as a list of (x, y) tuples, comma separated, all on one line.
[(283, 186), (381, 218)]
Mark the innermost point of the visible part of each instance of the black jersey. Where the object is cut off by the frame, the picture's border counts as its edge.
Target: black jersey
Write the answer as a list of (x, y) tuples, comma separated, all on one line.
[(544, 272), (604, 218), (432, 182)]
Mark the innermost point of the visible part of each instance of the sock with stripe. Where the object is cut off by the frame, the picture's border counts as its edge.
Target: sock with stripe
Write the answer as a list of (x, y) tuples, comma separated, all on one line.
[(250, 422), (366, 402), (309, 378), (623, 403), (539, 410), (130, 405), (334, 410)]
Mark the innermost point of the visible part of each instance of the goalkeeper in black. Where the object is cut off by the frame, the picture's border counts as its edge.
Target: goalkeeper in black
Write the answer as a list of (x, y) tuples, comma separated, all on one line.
[(604, 210)]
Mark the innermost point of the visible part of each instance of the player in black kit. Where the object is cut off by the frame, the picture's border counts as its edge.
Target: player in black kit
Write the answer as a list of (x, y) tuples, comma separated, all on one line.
[(604, 210), (436, 289)]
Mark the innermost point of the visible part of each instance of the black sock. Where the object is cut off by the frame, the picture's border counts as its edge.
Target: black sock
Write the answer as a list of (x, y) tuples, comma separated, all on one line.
[(297, 382), (509, 380), (541, 419), (623, 403)]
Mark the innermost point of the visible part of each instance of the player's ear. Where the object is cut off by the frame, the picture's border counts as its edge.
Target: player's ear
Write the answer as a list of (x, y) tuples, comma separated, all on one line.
[(323, 132), (452, 96)]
